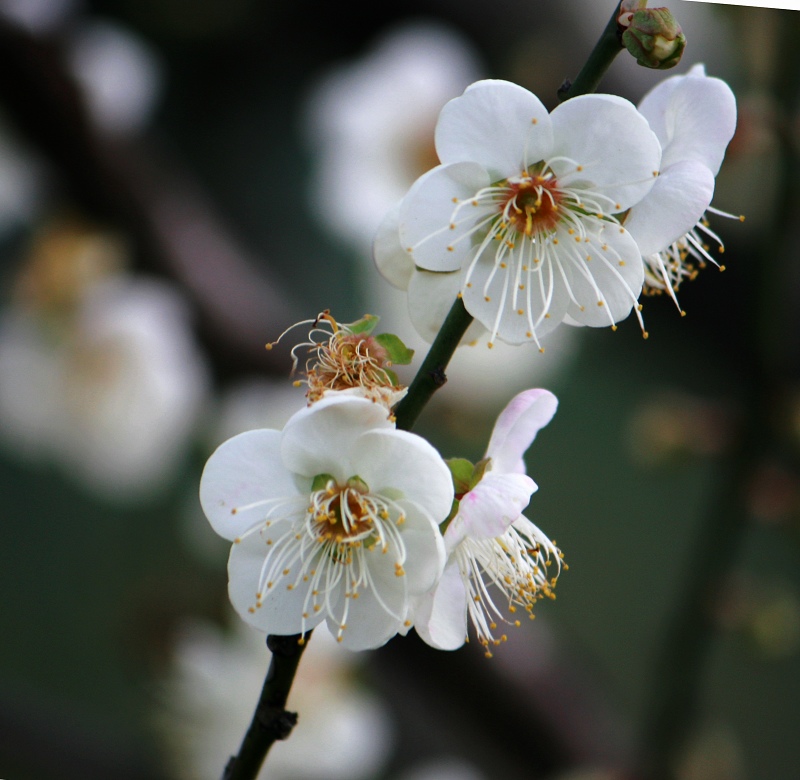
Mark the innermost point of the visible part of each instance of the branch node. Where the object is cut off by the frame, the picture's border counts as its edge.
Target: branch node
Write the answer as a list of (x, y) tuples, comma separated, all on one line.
[(438, 376), (278, 722)]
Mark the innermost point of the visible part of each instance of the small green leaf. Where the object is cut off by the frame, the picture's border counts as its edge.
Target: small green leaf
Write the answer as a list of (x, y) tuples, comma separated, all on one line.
[(462, 471), (391, 376), (399, 353), (365, 325)]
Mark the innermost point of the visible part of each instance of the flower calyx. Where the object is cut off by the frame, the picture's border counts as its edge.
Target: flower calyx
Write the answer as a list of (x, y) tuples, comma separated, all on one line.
[(466, 475), (653, 37)]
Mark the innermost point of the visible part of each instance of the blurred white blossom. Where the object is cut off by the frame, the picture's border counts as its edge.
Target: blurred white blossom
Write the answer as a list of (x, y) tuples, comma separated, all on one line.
[(99, 373), (371, 124), (443, 769), (120, 75), (39, 17), (208, 698)]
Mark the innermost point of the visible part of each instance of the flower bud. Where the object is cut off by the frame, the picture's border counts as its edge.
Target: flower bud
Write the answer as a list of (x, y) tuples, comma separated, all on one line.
[(653, 37)]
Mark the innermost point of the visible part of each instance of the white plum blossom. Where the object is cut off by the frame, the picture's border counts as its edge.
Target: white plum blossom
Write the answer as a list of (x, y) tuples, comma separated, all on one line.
[(334, 518), (519, 219), (694, 118), (489, 542)]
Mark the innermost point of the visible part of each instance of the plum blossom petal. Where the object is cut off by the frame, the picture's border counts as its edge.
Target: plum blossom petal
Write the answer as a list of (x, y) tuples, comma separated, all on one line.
[(279, 613), (428, 230), (392, 260), (619, 142), (516, 428), (391, 461), (528, 305), (441, 614), (679, 198), (376, 615), (342, 421), (605, 285), (499, 125), (490, 507), (430, 298), (247, 473), (694, 117)]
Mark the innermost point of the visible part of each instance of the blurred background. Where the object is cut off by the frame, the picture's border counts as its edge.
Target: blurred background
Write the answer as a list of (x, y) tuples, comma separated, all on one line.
[(180, 182)]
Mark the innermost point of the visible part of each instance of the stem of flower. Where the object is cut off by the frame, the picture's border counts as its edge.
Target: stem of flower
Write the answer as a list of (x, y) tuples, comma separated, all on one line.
[(271, 720), (608, 46), (431, 375)]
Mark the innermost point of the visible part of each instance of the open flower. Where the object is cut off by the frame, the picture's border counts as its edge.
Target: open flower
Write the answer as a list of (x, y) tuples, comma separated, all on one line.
[(488, 541), (694, 118), (520, 214), (335, 517)]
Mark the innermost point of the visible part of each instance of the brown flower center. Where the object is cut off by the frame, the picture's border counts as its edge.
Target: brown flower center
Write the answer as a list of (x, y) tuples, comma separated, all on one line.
[(533, 205)]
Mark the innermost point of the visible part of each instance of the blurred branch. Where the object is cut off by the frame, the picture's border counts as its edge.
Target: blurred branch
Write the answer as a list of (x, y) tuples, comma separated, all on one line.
[(130, 186)]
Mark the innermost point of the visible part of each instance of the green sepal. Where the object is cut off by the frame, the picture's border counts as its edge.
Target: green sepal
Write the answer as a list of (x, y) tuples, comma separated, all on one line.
[(465, 477), (365, 325), (398, 352), (321, 481), (453, 512), (461, 470), (356, 483), (391, 376), (478, 471)]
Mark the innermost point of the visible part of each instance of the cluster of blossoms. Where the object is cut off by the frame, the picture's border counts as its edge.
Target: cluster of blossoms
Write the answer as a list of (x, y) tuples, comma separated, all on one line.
[(535, 219), (343, 518), (532, 219)]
